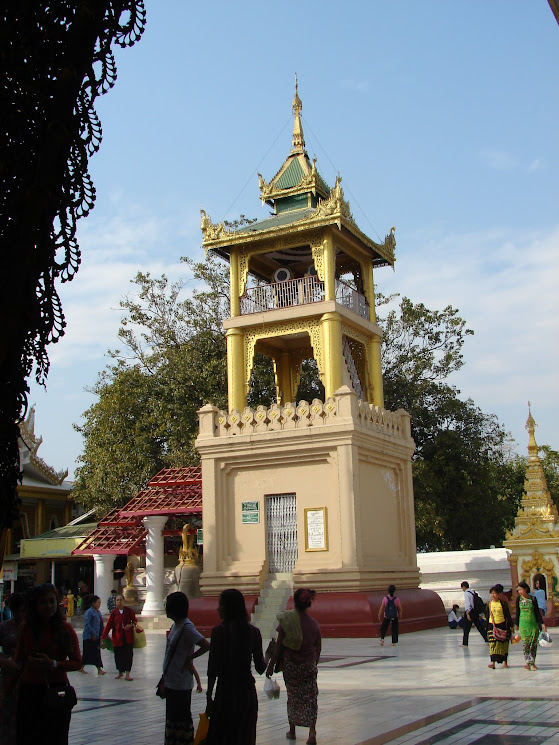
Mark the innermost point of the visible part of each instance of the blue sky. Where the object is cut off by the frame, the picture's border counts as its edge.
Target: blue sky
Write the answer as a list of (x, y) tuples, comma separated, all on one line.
[(442, 120)]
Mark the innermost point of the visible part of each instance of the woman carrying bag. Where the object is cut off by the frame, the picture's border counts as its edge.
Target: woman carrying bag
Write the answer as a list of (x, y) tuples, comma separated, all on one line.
[(122, 622), (499, 626)]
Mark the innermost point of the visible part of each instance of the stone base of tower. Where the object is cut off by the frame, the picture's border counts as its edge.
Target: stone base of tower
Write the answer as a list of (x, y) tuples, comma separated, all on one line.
[(343, 614), (321, 490)]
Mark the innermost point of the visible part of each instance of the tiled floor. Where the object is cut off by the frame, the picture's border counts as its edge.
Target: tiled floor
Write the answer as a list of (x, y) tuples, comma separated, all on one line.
[(426, 691)]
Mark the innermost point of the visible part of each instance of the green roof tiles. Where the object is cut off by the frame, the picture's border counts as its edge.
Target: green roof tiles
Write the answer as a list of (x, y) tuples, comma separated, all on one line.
[(291, 176), (277, 221)]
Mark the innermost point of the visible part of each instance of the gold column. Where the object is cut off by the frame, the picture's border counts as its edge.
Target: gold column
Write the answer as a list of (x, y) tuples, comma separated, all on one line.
[(236, 383), (375, 361), (332, 344), (329, 268), (284, 377), (234, 282)]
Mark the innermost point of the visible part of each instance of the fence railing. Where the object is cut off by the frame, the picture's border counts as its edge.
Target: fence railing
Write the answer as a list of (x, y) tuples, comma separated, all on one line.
[(300, 291)]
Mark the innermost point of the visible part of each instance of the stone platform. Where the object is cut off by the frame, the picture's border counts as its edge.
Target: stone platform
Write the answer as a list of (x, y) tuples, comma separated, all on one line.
[(425, 691)]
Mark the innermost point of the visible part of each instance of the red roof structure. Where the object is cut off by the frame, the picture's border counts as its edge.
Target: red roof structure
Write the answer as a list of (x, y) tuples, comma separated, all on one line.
[(172, 491)]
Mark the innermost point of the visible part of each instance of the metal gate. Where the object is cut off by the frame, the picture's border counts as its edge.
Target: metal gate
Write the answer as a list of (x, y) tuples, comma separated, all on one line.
[(281, 528)]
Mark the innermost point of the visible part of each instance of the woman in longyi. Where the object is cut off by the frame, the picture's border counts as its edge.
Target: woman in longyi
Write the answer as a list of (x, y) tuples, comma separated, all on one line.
[(299, 644), (499, 626)]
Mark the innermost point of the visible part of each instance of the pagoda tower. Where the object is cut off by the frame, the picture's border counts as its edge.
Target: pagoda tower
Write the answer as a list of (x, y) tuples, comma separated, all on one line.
[(534, 540), (317, 491)]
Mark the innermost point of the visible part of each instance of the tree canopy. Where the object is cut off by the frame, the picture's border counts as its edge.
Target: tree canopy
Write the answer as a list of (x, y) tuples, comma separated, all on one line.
[(172, 360)]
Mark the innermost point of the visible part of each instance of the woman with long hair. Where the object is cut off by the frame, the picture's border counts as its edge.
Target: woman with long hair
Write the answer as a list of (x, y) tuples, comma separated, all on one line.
[(529, 622), (47, 650), (499, 624), (299, 645), (92, 629), (235, 643), (9, 632)]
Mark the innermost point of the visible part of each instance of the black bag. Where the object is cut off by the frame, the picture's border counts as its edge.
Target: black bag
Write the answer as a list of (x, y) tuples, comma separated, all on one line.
[(160, 688), (390, 609), (479, 605), (60, 699)]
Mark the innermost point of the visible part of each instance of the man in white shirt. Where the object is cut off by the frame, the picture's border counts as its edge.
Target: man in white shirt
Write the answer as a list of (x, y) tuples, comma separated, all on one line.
[(471, 616), (178, 670)]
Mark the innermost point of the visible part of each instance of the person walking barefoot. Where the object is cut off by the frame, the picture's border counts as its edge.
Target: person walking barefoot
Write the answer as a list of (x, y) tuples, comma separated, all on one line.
[(92, 630)]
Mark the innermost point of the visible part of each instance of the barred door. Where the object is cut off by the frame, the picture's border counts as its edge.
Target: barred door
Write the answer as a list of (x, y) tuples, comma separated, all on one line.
[(281, 527)]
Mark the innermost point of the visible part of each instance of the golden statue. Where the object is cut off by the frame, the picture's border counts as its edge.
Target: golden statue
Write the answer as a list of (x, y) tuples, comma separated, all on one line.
[(129, 574), (188, 554)]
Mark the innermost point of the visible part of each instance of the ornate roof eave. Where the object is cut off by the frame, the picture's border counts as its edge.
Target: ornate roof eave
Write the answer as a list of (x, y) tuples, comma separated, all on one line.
[(32, 442), (331, 211), (384, 253)]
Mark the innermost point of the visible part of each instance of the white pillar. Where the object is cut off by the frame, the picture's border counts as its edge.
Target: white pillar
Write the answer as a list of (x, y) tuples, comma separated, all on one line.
[(53, 572), (103, 583), (155, 576)]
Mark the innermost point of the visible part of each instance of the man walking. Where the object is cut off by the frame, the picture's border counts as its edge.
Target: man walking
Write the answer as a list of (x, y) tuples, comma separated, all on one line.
[(471, 615)]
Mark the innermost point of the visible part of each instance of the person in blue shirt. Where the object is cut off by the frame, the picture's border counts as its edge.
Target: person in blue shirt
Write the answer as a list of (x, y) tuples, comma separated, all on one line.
[(539, 594), (92, 629)]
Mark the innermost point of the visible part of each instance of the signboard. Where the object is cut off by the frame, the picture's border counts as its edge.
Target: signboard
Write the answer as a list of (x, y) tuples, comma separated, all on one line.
[(250, 512), (316, 529), (200, 536), (9, 573)]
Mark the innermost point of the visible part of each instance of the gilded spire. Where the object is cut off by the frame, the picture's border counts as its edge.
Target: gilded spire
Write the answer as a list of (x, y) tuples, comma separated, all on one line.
[(298, 141), (530, 426)]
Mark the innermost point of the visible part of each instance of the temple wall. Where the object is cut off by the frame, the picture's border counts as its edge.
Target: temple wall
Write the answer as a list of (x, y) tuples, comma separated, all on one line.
[(443, 572)]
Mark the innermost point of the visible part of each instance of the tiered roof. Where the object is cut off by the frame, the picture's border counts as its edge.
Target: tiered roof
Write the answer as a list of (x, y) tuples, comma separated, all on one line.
[(173, 491)]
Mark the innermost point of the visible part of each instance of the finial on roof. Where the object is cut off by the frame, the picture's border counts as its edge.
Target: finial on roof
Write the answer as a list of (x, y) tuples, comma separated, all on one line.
[(530, 425), (298, 140)]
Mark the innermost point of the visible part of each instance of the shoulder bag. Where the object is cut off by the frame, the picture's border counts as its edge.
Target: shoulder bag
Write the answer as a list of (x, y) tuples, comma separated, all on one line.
[(500, 635)]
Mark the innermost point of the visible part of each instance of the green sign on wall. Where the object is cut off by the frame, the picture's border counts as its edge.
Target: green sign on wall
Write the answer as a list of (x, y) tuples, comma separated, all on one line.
[(250, 512)]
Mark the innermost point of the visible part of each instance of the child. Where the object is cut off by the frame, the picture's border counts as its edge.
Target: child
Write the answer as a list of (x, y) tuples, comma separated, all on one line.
[(79, 605), (194, 672)]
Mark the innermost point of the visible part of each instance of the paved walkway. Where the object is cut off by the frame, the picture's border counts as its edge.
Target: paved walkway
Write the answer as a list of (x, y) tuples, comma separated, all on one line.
[(426, 691)]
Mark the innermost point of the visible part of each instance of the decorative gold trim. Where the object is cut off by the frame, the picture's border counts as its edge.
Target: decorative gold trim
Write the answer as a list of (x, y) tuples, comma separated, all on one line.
[(312, 327), (324, 511)]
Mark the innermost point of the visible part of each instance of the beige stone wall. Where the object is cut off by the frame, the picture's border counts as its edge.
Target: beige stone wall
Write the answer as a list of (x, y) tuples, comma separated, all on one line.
[(354, 459)]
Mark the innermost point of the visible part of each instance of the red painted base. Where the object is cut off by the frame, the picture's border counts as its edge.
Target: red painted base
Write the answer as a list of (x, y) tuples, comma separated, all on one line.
[(203, 612), (344, 614)]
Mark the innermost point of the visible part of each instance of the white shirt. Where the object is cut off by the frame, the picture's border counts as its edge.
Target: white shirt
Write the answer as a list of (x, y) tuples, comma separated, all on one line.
[(452, 617), (469, 600), (176, 678)]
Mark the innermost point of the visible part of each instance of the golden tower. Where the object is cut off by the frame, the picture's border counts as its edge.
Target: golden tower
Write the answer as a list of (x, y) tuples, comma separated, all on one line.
[(534, 540), (316, 493), (302, 285)]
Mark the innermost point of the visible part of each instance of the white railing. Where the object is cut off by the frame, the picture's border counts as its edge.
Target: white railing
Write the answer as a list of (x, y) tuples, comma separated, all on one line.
[(282, 295), (300, 291), (351, 299)]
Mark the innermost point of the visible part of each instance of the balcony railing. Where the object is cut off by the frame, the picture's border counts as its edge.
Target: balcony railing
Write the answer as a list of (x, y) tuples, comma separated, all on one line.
[(301, 291)]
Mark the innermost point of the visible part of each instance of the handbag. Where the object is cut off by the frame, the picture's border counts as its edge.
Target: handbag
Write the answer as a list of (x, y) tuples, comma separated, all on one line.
[(202, 731), (500, 635), (60, 699), (140, 640), (160, 687)]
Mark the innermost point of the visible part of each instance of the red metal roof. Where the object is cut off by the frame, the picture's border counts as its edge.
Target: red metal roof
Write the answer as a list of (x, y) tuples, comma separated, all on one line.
[(173, 491), (108, 539)]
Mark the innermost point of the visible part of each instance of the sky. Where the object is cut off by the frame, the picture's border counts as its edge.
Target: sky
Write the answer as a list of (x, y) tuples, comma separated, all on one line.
[(441, 119)]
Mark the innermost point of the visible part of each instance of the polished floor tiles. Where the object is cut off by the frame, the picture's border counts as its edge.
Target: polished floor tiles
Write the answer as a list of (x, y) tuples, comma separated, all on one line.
[(425, 691)]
